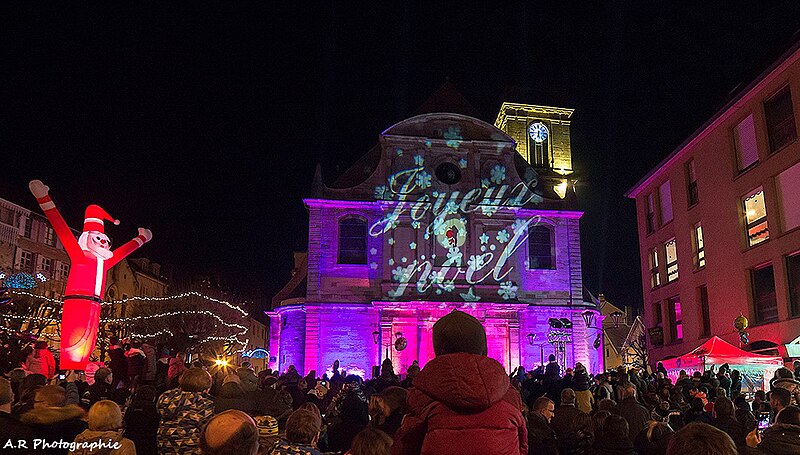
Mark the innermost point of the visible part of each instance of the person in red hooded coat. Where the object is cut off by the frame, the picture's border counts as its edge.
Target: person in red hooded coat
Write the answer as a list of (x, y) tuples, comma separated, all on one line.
[(462, 402)]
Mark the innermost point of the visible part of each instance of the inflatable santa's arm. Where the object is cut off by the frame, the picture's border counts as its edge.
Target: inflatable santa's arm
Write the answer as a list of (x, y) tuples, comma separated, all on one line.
[(40, 191), (123, 251)]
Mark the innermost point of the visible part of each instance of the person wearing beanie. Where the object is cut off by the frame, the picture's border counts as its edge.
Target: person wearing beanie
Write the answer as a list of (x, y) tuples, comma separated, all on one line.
[(462, 401)]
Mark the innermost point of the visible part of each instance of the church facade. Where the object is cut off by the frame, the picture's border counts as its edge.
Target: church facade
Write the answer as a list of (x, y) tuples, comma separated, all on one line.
[(446, 212)]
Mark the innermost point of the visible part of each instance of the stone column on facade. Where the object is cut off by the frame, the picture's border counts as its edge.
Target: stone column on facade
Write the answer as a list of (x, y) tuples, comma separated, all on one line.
[(311, 355), (274, 347), (386, 338), (513, 343)]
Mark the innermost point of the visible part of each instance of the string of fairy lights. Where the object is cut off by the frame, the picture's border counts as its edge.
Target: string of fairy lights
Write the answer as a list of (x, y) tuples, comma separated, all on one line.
[(163, 332)]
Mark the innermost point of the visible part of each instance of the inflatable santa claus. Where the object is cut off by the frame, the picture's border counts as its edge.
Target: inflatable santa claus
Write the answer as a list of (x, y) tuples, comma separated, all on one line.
[(91, 257)]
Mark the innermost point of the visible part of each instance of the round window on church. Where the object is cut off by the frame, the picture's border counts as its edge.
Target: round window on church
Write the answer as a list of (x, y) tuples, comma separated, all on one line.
[(448, 173)]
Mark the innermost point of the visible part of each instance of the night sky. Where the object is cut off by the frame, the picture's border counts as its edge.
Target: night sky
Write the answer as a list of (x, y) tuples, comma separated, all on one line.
[(205, 124)]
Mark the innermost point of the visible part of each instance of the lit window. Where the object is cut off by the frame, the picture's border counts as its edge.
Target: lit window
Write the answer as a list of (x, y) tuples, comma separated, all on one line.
[(675, 318), (780, 120), (700, 253), (655, 277), (755, 211), (671, 260), (691, 184), (651, 214), (764, 300), (793, 272), (541, 254), (744, 140), (665, 199), (352, 241)]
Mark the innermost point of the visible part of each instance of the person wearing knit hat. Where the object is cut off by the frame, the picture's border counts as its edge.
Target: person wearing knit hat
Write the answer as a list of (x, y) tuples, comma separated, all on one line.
[(462, 401), (458, 332), (267, 431)]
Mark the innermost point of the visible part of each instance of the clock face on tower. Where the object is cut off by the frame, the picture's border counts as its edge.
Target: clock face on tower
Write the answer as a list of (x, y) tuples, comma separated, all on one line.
[(538, 132)]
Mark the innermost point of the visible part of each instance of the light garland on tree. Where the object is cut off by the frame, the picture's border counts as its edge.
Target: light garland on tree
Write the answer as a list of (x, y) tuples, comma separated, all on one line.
[(178, 296)]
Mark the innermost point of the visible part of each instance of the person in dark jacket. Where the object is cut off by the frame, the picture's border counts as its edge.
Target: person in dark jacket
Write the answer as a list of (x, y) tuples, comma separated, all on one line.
[(135, 361), (553, 369), (564, 420), (141, 421), (580, 441), (584, 400), (634, 413), (53, 419), (101, 389), (118, 364), (541, 437), (352, 412), (697, 412), (462, 400), (781, 438), (654, 439), (388, 409), (725, 420), (231, 396), (700, 439), (612, 438), (11, 429)]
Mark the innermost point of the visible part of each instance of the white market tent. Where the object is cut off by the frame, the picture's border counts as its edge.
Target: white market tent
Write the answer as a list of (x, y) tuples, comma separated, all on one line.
[(716, 352)]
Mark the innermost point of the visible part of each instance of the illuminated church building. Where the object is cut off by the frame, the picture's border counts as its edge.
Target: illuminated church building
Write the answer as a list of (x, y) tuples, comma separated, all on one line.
[(445, 212)]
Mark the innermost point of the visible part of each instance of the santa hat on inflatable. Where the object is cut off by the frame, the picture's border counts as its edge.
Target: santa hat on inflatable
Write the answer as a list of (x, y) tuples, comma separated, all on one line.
[(93, 220)]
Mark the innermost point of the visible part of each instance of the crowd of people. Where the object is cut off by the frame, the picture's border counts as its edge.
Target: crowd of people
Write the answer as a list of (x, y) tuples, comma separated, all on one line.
[(145, 400)]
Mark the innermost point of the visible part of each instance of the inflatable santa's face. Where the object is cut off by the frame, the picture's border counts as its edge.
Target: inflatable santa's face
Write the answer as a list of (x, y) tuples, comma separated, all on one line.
[(96, 243)]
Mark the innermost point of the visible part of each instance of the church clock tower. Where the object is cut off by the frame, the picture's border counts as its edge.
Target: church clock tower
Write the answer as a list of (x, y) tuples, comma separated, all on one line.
[(541, 134)]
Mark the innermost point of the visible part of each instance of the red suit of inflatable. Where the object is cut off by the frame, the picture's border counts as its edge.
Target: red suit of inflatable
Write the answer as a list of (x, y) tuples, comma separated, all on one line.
[(91, 257)]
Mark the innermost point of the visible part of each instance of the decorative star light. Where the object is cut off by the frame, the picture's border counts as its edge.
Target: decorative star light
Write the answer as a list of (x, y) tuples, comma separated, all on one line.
[(373, 265), (492, 247), (508, 290), (427, 236), (419, 160), (470, 296), (403, 259), (412, 245), (391, 261), (381, 192), (462, 163), (453, 133), (503, 236), (498, 174), (475, 262), (423, 180), (401, 274), (438, 292), (451, 208), (390, 241), (428, 143), (489, 210), (484, 238), (373, 251), (519, 225), (448, 286), (454, 256), (415, 224)]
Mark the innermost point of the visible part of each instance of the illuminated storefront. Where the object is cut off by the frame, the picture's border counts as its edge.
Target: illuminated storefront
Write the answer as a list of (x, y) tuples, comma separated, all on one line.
[(443, 214)]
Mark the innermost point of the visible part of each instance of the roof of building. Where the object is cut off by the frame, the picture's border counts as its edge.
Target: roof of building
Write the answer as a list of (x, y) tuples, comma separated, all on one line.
[(793, 53)]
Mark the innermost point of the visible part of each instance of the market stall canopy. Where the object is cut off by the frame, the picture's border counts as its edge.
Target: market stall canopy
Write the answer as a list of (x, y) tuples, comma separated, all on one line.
[(717, 351)]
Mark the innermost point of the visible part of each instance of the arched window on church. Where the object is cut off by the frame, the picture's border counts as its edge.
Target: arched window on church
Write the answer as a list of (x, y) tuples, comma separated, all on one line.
[(352, 240), (541, 247)]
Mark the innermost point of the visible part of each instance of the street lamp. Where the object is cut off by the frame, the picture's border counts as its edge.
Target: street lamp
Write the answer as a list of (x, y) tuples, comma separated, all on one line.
[(375, 336), (616, 317), (531, 338), (588, 318)]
